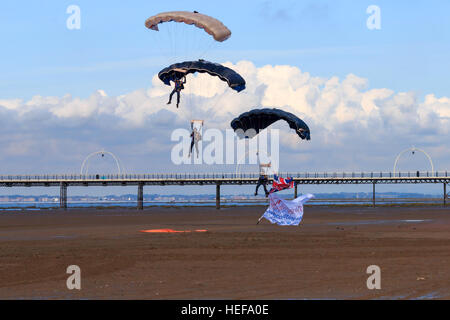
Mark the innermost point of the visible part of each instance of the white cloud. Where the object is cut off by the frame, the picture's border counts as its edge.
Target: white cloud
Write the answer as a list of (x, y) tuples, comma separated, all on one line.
[(348, 120), (11, 104)]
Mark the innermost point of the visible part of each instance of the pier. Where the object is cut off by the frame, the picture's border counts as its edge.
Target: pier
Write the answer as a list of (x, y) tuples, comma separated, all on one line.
[(64, 181)]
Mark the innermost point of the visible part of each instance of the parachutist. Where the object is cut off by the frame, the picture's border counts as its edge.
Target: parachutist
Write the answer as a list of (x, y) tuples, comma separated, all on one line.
[(263, 180), (196, 137), (179, 85)]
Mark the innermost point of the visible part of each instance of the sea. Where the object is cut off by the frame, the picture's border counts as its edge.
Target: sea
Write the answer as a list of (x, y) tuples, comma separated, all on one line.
[(9, 206)]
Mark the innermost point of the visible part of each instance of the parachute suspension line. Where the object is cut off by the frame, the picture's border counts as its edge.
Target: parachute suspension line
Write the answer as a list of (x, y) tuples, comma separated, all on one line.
[(166, 42), (183, 41), (206, 50), (174, 40), (188, 95), (170, 44)]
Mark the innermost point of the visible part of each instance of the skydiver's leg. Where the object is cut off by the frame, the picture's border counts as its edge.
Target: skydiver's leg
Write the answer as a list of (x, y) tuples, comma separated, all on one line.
[(257, 186), (178, 98), (170, 97), (196, 147), (192, 146), (265, 190)]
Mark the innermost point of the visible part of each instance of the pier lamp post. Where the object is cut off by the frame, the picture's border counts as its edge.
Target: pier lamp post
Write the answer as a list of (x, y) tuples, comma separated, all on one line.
[(413, 151), (85, 164)]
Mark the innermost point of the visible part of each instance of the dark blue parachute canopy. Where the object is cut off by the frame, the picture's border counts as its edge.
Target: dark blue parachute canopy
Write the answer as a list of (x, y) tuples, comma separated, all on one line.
[(178, 70), (259, 119)]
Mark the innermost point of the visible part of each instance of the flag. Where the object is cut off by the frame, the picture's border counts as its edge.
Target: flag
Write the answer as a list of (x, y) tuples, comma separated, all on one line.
[(279, 184), (286, 212)]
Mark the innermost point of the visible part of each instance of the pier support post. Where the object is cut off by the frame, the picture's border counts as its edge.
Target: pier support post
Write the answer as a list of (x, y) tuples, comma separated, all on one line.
[(445, 194), (295, 190), (63, 195), (218, 196), (373, 194), (140, 196)]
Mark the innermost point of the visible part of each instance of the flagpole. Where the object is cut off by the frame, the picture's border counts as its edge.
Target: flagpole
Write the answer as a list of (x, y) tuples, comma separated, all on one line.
[(259, 220)]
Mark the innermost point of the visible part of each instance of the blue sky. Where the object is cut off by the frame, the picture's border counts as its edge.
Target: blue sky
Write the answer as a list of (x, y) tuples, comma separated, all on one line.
[(395, 79), (41, 56)]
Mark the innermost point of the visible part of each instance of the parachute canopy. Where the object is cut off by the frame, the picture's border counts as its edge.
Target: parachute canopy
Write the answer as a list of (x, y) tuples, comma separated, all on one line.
[(211, 25), (259, 119), (178, 70)]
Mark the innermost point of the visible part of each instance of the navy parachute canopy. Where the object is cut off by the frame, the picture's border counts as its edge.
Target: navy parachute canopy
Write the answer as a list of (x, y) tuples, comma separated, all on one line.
[(259, 119), (178, 70)]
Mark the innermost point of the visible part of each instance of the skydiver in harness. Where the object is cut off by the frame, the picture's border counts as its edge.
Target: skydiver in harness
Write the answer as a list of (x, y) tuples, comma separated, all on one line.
[(179, 85), (195, 138), (263, 180)]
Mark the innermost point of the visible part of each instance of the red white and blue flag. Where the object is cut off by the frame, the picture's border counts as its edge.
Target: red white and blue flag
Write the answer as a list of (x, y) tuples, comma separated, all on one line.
[(286, 212), (281, 184)]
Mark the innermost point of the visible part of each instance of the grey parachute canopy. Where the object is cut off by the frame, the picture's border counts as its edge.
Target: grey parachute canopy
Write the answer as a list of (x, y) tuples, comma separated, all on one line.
[(178, 70), (211, 25), (259, 119)]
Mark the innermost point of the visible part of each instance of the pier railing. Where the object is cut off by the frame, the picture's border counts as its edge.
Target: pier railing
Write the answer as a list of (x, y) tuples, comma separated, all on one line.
[(209, 176), (140, 180)]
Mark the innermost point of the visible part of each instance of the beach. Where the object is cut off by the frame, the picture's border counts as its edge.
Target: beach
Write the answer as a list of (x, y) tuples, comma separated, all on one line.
[(326, 257)]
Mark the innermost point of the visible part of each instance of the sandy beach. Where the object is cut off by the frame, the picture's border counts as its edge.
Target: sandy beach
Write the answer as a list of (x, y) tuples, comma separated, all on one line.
[(326, 257)]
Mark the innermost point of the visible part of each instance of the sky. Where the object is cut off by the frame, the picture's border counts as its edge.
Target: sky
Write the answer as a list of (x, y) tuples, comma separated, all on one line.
[(365, 94)]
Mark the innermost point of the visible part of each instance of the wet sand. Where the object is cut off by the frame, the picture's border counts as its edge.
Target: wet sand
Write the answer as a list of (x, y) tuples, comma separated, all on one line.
[(326, 257)]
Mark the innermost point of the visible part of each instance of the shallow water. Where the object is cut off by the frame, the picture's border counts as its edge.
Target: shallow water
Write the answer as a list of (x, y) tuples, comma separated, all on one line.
[(431, 295), (372, 222)]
